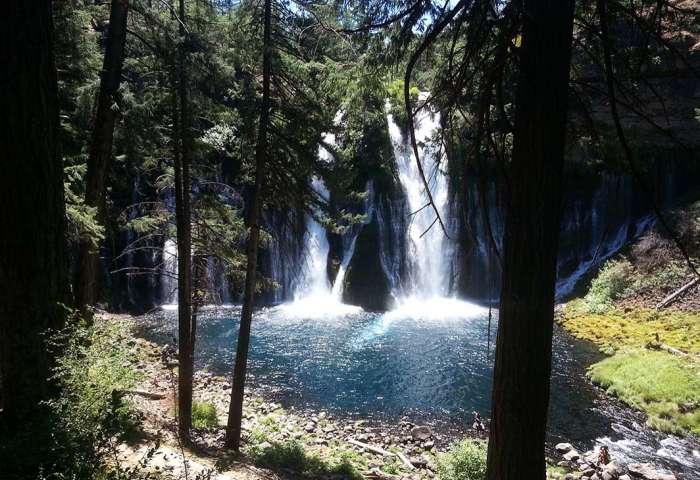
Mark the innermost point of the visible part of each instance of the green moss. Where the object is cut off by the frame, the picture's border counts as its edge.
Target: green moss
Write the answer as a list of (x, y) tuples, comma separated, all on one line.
[(464, 461), (618, 329), (664, 386)]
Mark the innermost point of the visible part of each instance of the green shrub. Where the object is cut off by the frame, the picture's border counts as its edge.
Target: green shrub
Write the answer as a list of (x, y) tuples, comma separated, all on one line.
[(204, 415), (293, 456), (464, 461), (612, 283), (75, 435)]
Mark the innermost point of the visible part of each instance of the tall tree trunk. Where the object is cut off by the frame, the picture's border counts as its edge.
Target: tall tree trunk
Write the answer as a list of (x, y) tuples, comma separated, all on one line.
[(101, 150), (183, 214), (524, 343), (235, 411), (33, 262)]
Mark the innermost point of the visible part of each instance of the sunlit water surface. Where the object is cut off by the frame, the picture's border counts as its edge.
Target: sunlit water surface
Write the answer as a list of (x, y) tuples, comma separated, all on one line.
[(430, 360)]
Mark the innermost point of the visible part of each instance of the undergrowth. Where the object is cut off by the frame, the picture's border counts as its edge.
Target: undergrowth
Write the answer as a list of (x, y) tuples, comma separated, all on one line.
[(464, 461), (292, 455), (75, 435), (204, 415)]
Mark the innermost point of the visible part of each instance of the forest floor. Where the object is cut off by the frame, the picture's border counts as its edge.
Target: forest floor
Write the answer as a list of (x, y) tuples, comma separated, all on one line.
[(654, 350)]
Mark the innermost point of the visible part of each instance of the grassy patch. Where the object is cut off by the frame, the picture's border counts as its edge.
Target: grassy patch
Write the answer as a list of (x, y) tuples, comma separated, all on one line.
[(555, 473), (293, 456), (204, 415), (617, 329), (665, 387), (464, 461)]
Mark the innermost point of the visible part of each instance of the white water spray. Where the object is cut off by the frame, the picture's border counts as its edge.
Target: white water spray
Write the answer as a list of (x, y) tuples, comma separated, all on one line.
[(429, 248), (168, 274)]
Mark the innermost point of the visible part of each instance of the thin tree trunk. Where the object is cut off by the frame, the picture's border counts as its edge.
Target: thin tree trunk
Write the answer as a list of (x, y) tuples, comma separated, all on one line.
[(33, 262), (524, 343), (101, 150), (183, 153), (235, 412)]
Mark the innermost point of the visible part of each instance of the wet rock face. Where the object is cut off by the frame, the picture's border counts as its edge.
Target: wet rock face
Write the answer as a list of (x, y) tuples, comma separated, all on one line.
[(366, 284)]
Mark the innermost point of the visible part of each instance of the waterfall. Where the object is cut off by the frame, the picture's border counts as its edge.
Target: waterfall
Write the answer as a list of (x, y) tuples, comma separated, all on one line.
[(313, 281), (429, 257), (168, 274)]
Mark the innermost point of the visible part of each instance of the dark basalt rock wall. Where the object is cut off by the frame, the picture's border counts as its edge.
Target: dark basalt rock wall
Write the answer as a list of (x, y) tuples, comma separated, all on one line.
[(366, 283)]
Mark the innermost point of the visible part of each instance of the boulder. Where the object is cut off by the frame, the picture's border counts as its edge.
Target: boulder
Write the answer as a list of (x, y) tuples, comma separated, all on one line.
[(611, 471), (563, 447), (571, 456), (421, 433), (647, 471)]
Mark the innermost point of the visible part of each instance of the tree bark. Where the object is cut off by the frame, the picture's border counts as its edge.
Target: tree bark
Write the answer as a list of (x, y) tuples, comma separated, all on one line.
[(101, 150), (183, 219), (235, 412), (524, 343), (33, 261)]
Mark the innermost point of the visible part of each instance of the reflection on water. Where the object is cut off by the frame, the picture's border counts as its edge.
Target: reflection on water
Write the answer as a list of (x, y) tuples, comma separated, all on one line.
[(427, 359)]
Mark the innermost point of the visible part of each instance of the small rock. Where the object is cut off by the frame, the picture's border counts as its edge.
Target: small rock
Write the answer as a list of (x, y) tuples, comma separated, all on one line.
[(309, 427), (421, 433)]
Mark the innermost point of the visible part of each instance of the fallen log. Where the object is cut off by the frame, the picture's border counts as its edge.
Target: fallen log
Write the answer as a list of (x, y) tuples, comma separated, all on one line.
[(672, 297), (666, 348), (371, 448), (405, 461)]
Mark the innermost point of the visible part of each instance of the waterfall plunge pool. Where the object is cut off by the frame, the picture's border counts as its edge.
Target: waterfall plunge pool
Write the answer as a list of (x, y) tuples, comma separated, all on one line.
[(426, 360)]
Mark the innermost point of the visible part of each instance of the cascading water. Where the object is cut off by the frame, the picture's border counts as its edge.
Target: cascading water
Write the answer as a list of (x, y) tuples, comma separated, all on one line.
[(314, 294), (314, 279), (168, 274), (429, 271)]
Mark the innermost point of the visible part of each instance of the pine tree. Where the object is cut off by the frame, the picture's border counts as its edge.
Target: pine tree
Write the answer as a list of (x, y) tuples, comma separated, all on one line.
[(235, 414), (526, 318), (100, 159), (33, 276)]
